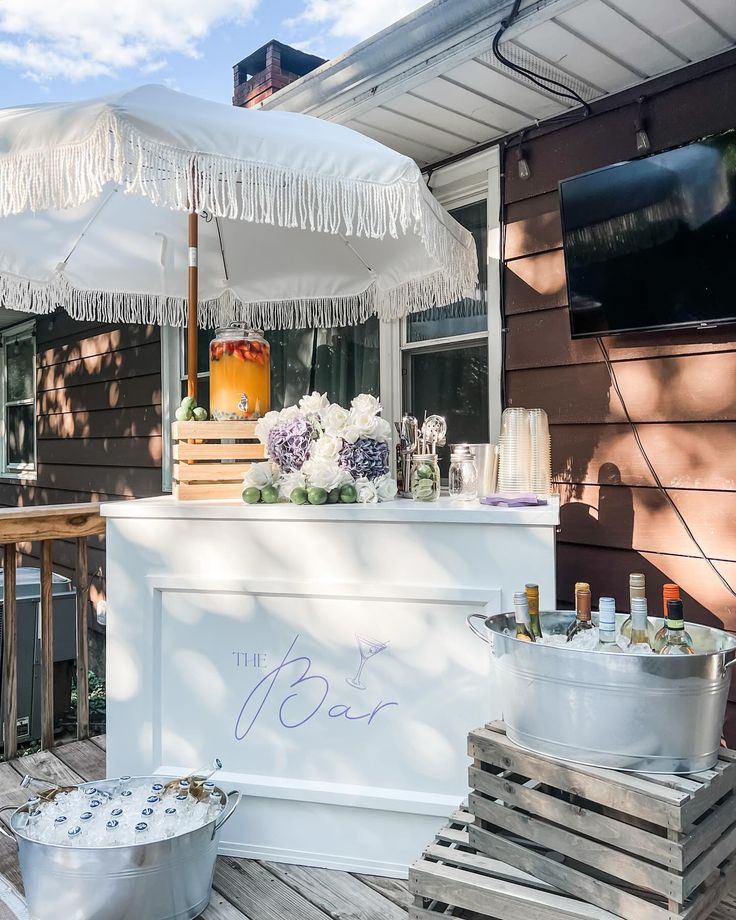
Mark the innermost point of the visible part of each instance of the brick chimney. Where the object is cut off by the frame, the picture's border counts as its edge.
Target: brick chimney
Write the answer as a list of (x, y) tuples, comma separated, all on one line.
[(267, 70)]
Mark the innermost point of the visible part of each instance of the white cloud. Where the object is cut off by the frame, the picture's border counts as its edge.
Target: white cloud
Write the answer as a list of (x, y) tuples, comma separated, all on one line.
[(76, 39), (354, 19)]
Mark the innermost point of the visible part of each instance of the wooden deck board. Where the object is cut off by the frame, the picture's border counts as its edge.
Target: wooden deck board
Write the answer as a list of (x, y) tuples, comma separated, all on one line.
[(244, 889)]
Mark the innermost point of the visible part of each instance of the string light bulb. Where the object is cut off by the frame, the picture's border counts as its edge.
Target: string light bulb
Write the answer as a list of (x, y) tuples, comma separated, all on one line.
[(643, 144), (522, 163)]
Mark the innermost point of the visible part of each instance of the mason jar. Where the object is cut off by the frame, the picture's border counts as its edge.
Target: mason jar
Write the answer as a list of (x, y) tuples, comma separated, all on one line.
[(240, 374), (425, 478), (463, 475)]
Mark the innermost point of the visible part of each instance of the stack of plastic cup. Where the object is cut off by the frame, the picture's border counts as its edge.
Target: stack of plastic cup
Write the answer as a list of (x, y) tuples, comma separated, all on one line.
[(514, 452), (540, 452)]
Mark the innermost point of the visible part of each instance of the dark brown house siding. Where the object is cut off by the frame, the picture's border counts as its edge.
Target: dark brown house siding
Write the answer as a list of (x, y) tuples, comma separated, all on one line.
[(680, 387), (98, 409)]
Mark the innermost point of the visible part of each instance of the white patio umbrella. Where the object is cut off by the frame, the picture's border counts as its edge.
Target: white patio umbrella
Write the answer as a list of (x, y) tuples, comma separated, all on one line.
[(301, 222)]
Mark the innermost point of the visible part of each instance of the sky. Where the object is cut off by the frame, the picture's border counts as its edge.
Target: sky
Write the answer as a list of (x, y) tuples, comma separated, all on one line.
[(55, 50)]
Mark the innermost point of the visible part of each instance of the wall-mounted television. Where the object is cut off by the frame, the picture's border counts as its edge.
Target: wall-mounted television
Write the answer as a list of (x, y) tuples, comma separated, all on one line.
[(651, 243)]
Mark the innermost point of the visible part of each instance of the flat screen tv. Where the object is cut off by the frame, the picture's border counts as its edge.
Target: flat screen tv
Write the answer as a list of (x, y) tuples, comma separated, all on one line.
[(651, 243)]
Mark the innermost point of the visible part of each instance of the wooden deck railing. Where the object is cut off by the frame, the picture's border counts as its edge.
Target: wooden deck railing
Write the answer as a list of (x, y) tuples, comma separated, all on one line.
[(44, 525)]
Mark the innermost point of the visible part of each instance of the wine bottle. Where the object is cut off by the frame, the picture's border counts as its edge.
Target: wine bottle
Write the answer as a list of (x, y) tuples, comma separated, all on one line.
[(636, 589), (641, 632), (521, 612), (669, 592), (532, 596), (677, 641), (582, 619), (607, 626)]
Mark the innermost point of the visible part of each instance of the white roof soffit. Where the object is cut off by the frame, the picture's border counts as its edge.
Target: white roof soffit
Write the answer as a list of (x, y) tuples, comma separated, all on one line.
[(430, 86)]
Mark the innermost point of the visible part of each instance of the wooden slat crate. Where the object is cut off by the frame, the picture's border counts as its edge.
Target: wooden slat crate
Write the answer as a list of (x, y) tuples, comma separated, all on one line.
[(641, 846), (451, 879), (211, 458)]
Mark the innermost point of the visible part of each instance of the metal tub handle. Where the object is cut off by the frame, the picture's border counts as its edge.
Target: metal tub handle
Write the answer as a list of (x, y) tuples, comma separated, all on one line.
[(3, 830), (728, 664), (473, 628), (226, 817)]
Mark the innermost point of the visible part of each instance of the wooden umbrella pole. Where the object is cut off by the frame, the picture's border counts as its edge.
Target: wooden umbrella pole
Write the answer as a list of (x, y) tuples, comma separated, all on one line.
[(193, 296)]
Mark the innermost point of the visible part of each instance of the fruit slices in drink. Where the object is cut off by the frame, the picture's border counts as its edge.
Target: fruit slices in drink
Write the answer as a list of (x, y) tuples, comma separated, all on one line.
[(240, 378)]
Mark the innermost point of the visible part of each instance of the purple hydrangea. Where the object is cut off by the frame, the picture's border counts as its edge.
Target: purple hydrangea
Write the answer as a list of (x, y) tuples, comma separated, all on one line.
[(366, 457), (289, 442)]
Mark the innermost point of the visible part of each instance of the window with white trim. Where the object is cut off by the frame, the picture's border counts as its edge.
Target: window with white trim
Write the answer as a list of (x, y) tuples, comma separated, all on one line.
[(18, 400)]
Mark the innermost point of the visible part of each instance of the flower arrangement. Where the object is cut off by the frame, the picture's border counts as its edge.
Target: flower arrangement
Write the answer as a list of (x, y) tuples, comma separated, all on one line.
[(321, 452)]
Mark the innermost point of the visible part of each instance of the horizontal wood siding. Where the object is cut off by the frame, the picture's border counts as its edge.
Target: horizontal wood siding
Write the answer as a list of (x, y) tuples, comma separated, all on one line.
[(679, 386), (98, 411)]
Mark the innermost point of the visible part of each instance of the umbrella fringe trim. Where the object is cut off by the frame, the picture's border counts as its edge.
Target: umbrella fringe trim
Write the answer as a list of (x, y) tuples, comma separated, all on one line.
[(39, 298), (226, 187)]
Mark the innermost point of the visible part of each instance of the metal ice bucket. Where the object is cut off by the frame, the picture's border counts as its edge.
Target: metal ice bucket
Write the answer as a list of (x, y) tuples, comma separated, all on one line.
[(644, 713), (162, 880)]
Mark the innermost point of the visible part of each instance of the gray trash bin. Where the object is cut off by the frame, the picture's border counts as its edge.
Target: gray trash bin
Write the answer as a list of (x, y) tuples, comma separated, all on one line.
[(28, 595)]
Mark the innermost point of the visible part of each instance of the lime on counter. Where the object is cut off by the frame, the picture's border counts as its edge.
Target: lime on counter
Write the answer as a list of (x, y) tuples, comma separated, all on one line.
[(269, 495), (183, 414), (425, 471), (333, 496), (188, 403), (252, 495), (199, 413), (316, 496), (348, 494), (299, 496)]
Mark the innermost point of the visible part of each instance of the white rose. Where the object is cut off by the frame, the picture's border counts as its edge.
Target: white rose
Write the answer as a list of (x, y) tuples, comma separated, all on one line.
[(364, 402), (382, 430), (386, 488), (288, 482), (314, 404), (334, 418), (367, 492), (363, 422), (324, 474), (326, 448), (265, 424), (351, 434), (289, 414), (261, 475)]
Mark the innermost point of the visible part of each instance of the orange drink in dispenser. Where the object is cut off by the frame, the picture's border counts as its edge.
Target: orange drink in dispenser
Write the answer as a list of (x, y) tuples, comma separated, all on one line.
[(240, 374)]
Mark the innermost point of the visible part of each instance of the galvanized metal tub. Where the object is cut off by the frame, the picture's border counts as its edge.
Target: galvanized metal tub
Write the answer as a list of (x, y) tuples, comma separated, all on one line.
[(644, 713), (162, 880)]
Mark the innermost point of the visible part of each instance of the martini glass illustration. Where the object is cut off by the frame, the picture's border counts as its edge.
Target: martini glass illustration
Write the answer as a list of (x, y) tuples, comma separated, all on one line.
[(367, 648)]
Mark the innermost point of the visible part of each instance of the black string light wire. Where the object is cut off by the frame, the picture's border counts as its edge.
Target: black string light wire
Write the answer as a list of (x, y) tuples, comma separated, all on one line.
[(655, 475)]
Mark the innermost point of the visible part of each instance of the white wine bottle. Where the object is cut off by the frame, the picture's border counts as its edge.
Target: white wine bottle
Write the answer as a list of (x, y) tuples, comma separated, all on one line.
[(532, 596), (521, 612), (607, 626), (637, 588), (669, 592), (641, 637), (677, 641)]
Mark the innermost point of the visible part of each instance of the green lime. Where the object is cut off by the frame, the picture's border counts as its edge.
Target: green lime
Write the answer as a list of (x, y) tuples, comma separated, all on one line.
[(348, 495), (269, 495), (199, 413), (189, 402), (425, 471), (333, 496), (299, 496), (183, 414), (252, 495), (316, 496)]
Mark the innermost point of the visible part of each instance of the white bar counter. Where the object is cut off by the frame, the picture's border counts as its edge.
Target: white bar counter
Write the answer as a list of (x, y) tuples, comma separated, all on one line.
[(321, 652)]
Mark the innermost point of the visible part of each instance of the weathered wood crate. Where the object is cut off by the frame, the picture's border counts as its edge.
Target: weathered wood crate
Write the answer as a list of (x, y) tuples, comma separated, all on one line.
[(640, 846), (211, 458), (451, 879)]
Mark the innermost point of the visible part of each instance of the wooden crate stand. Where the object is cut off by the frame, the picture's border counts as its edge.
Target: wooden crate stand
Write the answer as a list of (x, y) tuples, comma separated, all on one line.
[(211, 458), (641, 846), (452, 880)]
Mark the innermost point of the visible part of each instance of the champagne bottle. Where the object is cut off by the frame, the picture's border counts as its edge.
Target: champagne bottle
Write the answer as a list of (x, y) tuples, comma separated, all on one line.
[(582, 619), (677, 641), (532, 596), (640, 637), (607, 626), (669, 592), (521, 612), (636, 589)]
